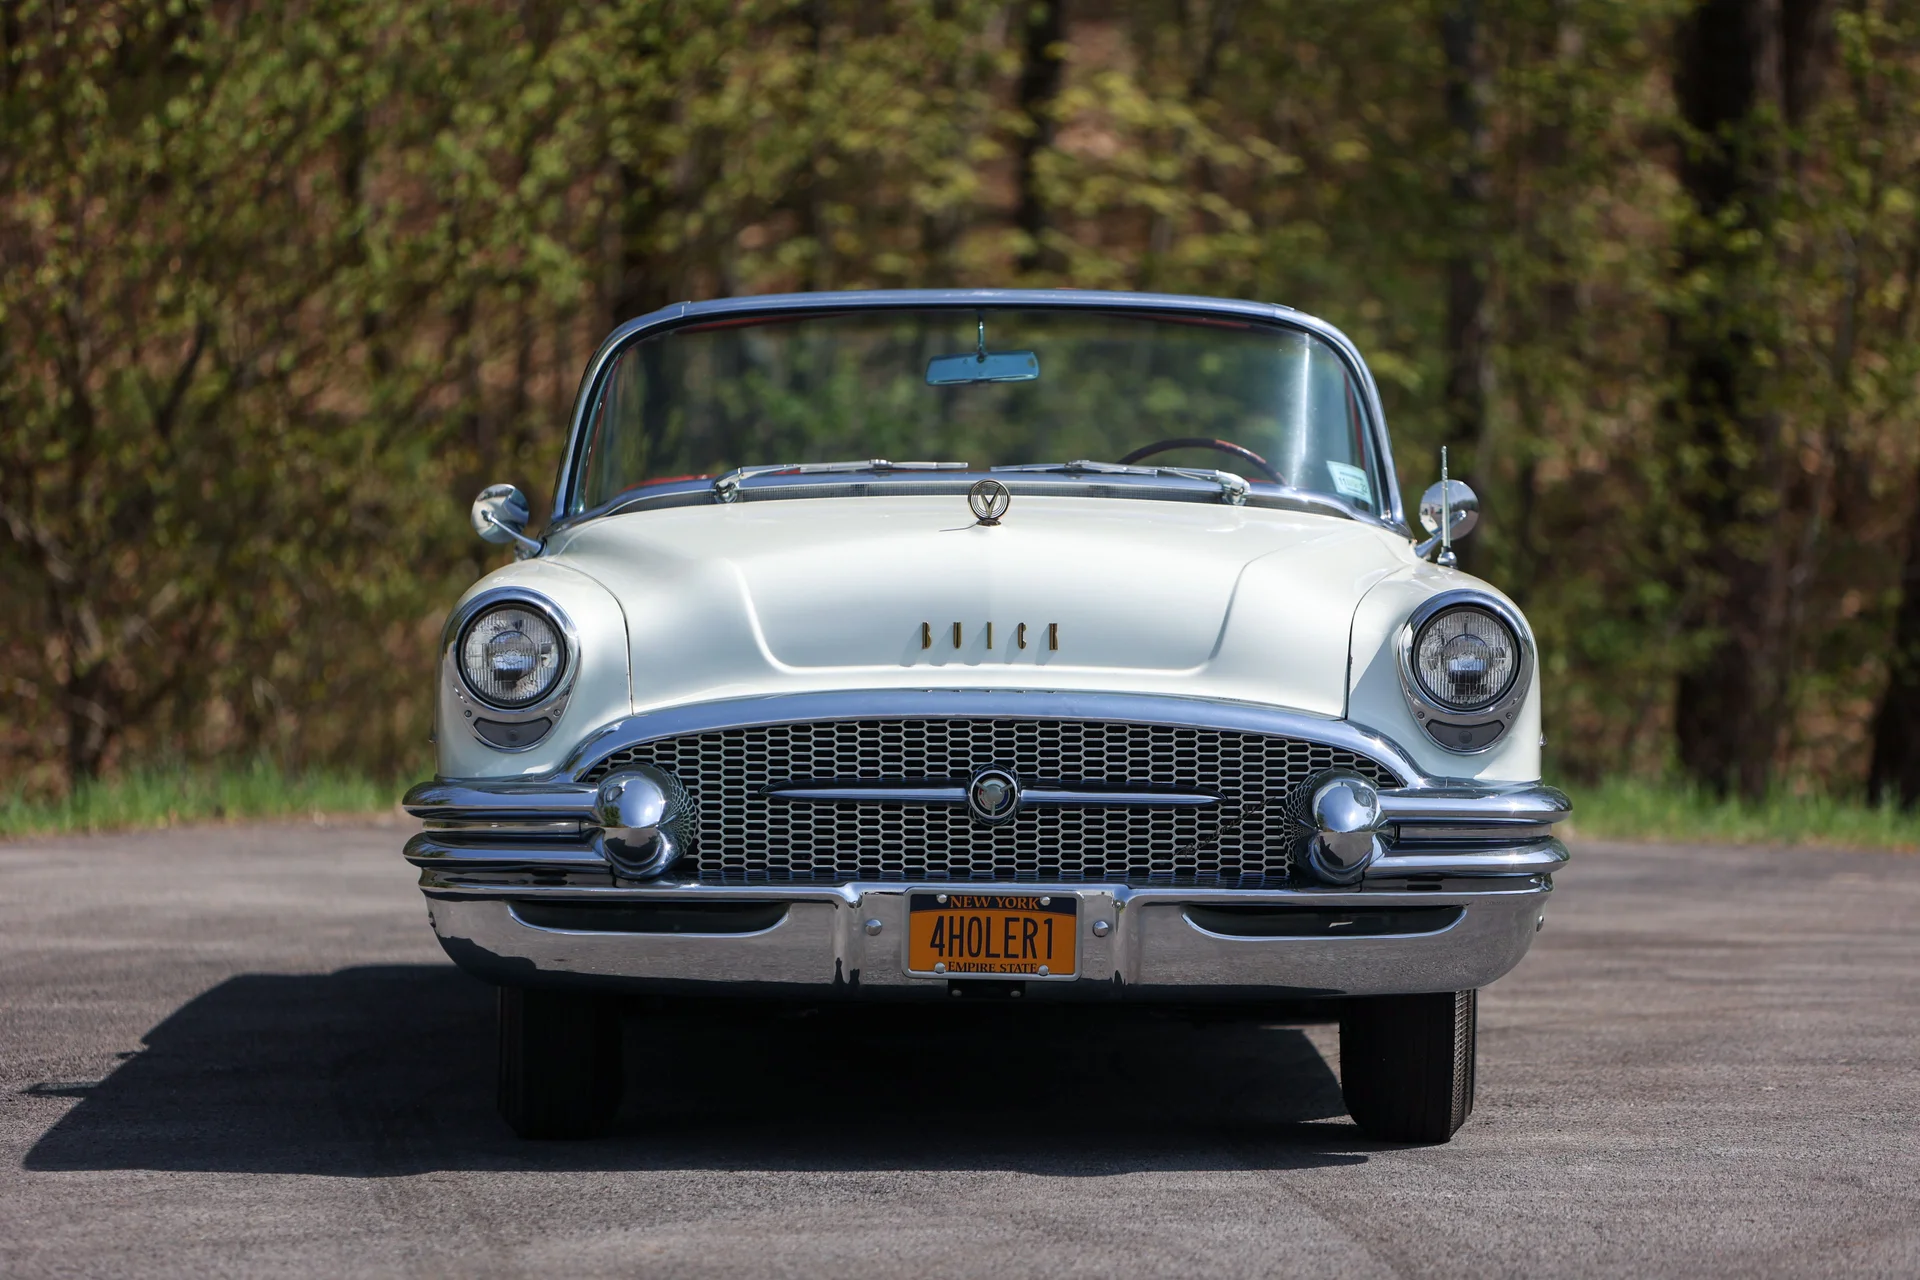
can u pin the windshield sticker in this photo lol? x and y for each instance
(1350, 482)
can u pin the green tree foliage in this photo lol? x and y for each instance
(281, 286)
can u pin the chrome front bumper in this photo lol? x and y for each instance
(849, 941)
(521, 892)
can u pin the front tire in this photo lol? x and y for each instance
(1407, 1064)
(560, 1071)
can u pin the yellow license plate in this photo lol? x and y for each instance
(992, 934)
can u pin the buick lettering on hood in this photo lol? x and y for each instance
(952, 645)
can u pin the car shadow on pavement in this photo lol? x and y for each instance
(387, 1071)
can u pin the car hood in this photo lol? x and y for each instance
(1065, 593)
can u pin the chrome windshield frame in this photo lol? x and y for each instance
(681, 314)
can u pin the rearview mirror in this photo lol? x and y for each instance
(983, 366)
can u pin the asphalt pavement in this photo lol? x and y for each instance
(238, 1051)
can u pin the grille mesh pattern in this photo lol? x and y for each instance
(745, 837)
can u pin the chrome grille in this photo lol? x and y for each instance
(745, 837)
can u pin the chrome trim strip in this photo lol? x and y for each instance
(1476, 802)
(430, 849)
(1543, 858)
(449, 799)
(969, 704)
(1118, 799)
(860, 792)
(442, 880)
(558, 795)
(681, 313)
(557, 828)
(1505, 833)
(909, 794)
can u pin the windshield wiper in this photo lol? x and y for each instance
(726, 488)
(1233, 488)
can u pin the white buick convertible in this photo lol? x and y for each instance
(1127, 680)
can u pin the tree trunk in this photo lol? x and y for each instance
(1895, 772)
(1040, 75)
(638, 287)
(85, 686)
(1468, 369)
(1732, 69)
(1200, 50)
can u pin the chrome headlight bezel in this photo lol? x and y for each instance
(1429, 710)
(506, 728)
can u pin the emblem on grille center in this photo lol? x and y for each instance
(993, 795)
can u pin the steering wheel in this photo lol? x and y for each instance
(1239, 451)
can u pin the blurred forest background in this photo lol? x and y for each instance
(283, 284)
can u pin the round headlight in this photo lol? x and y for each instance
(512, 655)
(1466, 658)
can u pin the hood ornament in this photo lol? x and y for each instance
(988, 500)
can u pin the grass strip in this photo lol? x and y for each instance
(165, 797)
(1629, 809)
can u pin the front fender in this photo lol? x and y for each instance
(602, 684)
(1375, 697)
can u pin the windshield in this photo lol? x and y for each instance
(990, 387)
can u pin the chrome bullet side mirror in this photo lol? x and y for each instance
(1456, 500)
(500, 514)
(1448, 510)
